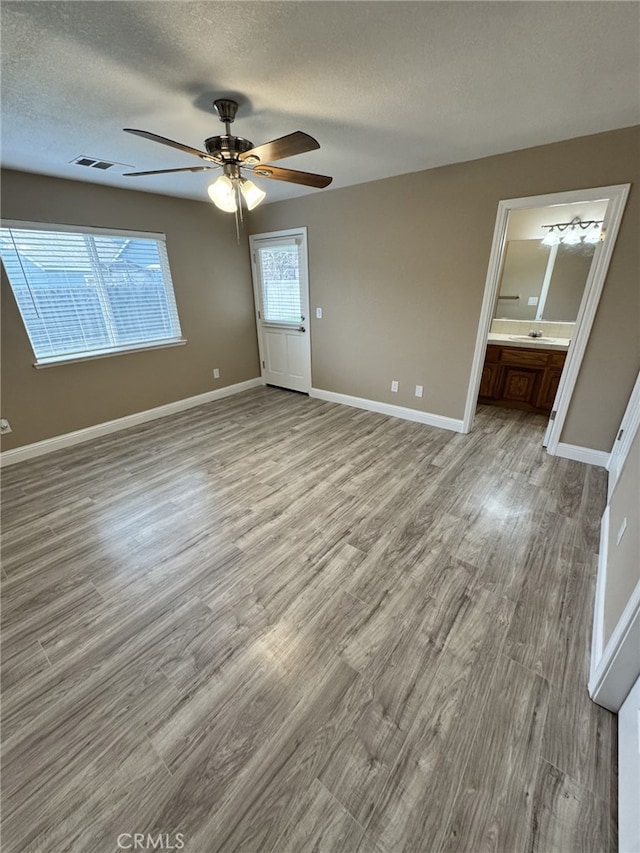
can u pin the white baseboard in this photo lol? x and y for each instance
(619, 666)
(39, 448)
(583, 454)
(403, 412)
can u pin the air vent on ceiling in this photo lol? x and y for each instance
(95, 163)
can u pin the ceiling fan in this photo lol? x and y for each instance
(233, 154)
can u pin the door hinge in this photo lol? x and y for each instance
(259, 316)
(619, 435)
(263, 364)
(552, 416)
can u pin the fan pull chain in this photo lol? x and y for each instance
(238, 211)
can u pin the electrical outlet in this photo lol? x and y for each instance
(5, 426)
(394, 386)
(216, 373)
(318, 313)
(419, 390)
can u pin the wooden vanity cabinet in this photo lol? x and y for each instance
(490, 372)
(521, 378)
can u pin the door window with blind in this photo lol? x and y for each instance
(280, 281)
(85, 293)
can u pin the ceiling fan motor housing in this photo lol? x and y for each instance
(227, 147)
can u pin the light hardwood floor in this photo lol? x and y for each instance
(278, 624)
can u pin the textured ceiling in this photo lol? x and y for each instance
(386, 87)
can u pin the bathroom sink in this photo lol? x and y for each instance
(532, 339)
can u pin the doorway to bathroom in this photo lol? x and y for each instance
(548, 263)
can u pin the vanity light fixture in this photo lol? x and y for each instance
(571, 233)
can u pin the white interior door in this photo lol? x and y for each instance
(629, 772)
(281, 290)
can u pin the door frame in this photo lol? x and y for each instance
(301, 232)
(617, 198)
(626, 434)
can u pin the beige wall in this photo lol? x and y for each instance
(398, 267)
(212, 281)
(623, 560)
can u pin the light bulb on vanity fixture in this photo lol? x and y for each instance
(594, 234)
(572, 237)
(551, 239)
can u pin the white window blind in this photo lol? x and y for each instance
(89, 293)
(280, 282)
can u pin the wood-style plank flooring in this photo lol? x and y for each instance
(278, 624)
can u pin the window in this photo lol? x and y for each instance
(86, 293)
(280, 281)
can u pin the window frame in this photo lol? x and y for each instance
(91, 355)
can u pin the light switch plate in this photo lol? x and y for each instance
(318, 313)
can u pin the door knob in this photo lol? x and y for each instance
(301, 329)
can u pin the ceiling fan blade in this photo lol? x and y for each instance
(145, 134)
(286, 146)
(166, 171)
(308, 179)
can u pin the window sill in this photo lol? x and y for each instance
(55, 361)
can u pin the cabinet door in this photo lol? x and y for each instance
(549, 388)
(520, 385)
(489, 379)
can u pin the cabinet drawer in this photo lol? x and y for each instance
(524, 357)
(557, 359)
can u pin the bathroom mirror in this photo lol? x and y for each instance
(541, 282)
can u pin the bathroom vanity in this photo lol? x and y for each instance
(521, 374)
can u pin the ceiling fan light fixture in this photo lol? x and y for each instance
(253, 195)
(222, 194)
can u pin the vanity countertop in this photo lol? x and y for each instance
(530, 343)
